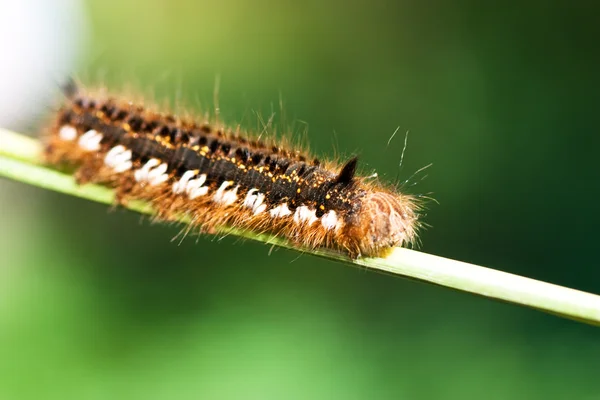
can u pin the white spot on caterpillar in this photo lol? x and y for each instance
(90, 140)
(226, 197)
(125, 165)
(230, 196)
(281, 210)
(152, 172)
(219, 193)
(329, 220)
(255, 201)
(251, 197)
(119, 159)
(112, 153)
(260, 209)
(158, 175)
(305, 214)
(142, 174)
(181, 185)
(67, 133)
(194, 187)
(201, 191)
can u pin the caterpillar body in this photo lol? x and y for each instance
(218, 177)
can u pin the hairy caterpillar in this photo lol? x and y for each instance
(217, 176)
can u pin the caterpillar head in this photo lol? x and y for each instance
(383, 221)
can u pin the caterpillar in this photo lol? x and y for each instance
(218, 176)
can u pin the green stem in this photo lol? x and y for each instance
(20, 160)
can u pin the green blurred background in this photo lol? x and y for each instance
(502, 100)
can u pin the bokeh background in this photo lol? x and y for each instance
(503, 100)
